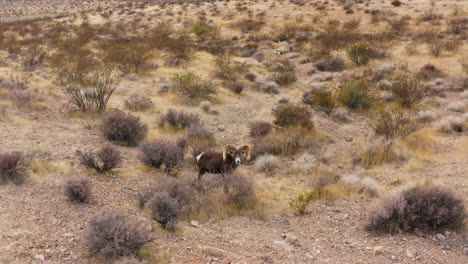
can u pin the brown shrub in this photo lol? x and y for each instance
(324, 99)
(330, 64)
(161, 152)
(138, 102)
(239, 191)
(391, 121)
(259, 129)
(228, 69)
(106, 159)
(407, 88)
(113, 234)
(292, 115)
(13, 168)
(179, 119)
(164, 209)
(78, 190)
(235, 87)
(423, 208)
(123, 128)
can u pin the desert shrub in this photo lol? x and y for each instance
(398, 24)
(284, 72)
(191, 86)
(161, 152)
(113, 234)
(138, 102)
(330, 64)
(199, 29)
(451, 124)
(407, 88)
(179, 119)
(266, 163)
(129, 260)
(87, 89)
(239, 191)
(18, 81)
(13, 168)
(259, 129)
(304, 163)
(456, 107)
(380, 152)
(334, 38)
(361, 53)
(164, 209)
(428, 72)
(106, 159)
(391, 121)
(248, 25)
(292, 115)
(301, 202)
(129, 56)
(324, 99)
(423, 208)
(78, 190)
(235, 87)
(123, 128)
(33, 58)
(355, 94)
(228, 69)
(198, 133)
(286, 143)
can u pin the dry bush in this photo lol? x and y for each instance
(129, 260)
(106, 159)
(112, 234)
(361, 53)
(292, 115)
(239, 191)
(198, 134)
(284, 72)
(248, 25)
(355, 94)
(380, 152)
(451, 124)
(407, 88)
(417, 208)
(335, 38)
(259, 129)
(286, 142)
(123, 128)
(178, 44)
(391, 121)
(324, 99)
(398, 24)
(330, 64)
(300, 203)
(228, 69)
(32, 58)
(13, 168)
(429, 72)
(18, 81)
(161, 152)
(191, 86)
(266, 163)
(164, 209)
(87, 89)
(138, 102)
(129, 56)
(179, 119)
(78, 190)
(235, 87)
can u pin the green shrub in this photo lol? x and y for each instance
(301, 202)
(191, 86)
(323, 99)
(354, 94)
(391, 121)
(199, 29)
(407, 88)
(228, 69)
(361, 53)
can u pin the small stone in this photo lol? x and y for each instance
(348, 138)
(378, 250)
(39, 257)
(446, 233)
(194, 223)
(465, 251)
(291, 239)
(440, 237)
(213, 252)
(221, 128)
(409, 254)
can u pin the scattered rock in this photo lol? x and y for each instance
(409, 254)
(378, 250)
(291, 239)
(349, 138)
(194, 223)
(39, 257)
(213, 252)
(221, 128)
(440, 237)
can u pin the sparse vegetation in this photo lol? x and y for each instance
(161, 152)
(260, 129)
(106, 159)
(391, 121)
(13, 168)
(78, 190)
(292, 115)
(300, 204)
(191, 86)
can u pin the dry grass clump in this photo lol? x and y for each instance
(364, 185)
(266, 163)
(239, 192)
(391, 121)
(13, 168)
(129, 56)
(123, 128)
(361, 53)
(106, 159)
(417, 208)
(284, 142)
(78, 190)
(228, 69)
(382, 151)
(179, 119)
(191, 86)
(284, 72)
(456, 107)
(300, 204)
(355, 94)
(260, 129)
(137, 102)
(452, 124)
(235, 87)
(325, 99)
(112, 234)
(161, 152)
(330, 64)
(292, 115)
(407, 88)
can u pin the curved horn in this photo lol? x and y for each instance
(246, 148)
(225, 150)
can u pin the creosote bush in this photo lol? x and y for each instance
(191, 86)
(260, 129)
(13, 168)
(78, 190)
(355, 94)
(361, 53)
(106, 159)
(300, 203)
(420, 207)
(228, 69)
(112, 234)
(292, 115)
(123, 128)
(138, 102)
(324, 99)
(161, 152)
(330, 64)
(391, 121)
(407, 88)
(284, 72)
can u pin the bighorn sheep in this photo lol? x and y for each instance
(222, 163)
